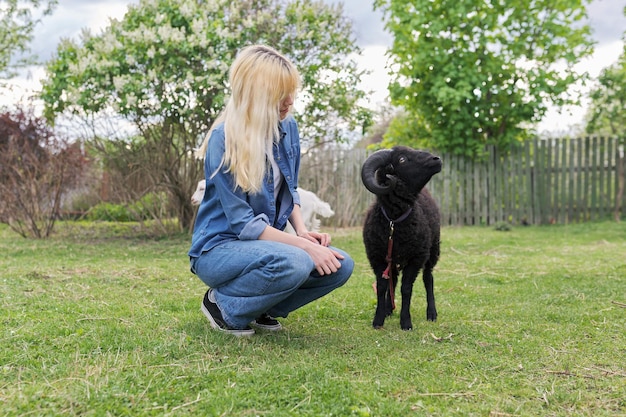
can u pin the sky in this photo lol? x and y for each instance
(71, 16)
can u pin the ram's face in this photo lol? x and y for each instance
(403, 167)
(415, 168)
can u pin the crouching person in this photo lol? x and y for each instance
(255, 271)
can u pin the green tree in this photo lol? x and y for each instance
(163, 68)
(607, 111)
(476, 72)
(16, 32)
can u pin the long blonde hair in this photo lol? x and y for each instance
(260, 79)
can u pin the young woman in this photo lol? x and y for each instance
(254, 269)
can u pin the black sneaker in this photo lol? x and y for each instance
(267, 322)
(213, 313)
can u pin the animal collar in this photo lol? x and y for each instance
(399, 219)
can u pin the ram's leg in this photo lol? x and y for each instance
(429, 284)
(409, 274)
(382, 290)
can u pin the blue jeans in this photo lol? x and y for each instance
(252, 277)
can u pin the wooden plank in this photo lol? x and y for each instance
(524, 207)
(476, 193)
(585, 194)
(536, 178)
(444, 202)
(503, 162)
(563, 173)
(493, 189)
(472, 192)
(547, 186)
(594, 210)
(577, 179)
(509, 208)
(601, 151)
(527, 187)
(453, 190)
(543, 181)
(571, 181)
(514, 174)
(556, 176)
(611, 178)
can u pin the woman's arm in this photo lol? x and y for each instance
(325, 259)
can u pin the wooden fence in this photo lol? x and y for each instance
(539, 182)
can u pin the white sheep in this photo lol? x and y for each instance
(311, 206)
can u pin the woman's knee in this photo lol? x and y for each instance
(292, 263)
(347, 267)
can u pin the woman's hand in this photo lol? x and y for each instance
(315, 237)
(326, 260)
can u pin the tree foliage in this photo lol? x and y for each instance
(476, 72)
(36, 170)
(163, 67)
(16, 32)
(607, 112)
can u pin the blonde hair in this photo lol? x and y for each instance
(260, 79)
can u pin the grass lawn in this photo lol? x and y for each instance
(532, 322)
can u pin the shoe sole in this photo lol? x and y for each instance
(270, 327)
(234, 332)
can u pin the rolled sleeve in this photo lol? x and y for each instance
(296, 197)
(253, 229)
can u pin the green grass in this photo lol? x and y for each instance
(532, 322)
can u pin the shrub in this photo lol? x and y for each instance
(150, 206)
(37, 168)
(109, 212)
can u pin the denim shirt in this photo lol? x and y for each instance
(227, 213)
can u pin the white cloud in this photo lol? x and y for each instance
(571, 117)
(374, 60)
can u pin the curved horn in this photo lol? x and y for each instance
(375, 161)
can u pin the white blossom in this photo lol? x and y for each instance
(131, 100)
(198, 26)
(131, 60)
(186, 9)
(147, 34)
(119, 82)
(159, 19)
(212, 6)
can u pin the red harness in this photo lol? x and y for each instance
(388, 272)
